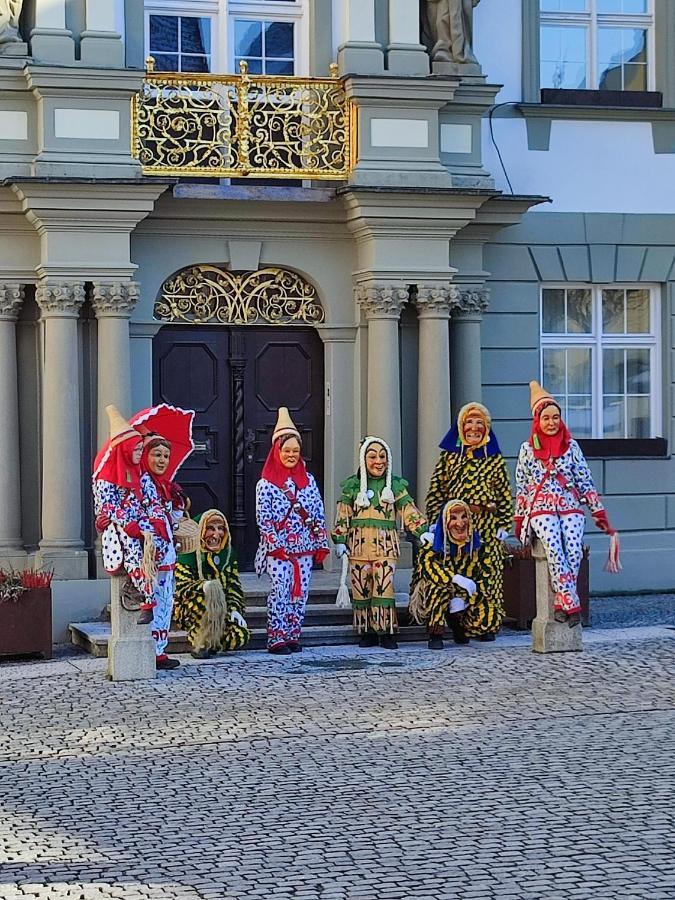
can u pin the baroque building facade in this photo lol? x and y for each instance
(433, 222)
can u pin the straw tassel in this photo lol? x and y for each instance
(149, 565)
(214, 621)
(417, 605)
(613, 564)
(343, 600)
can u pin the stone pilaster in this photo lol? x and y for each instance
(113, 303)
(405, 54)
(354, 27)
(434, 303)
(382, 303)
(465, 346)
(50, 40)
(100, 43)
(11, 547)
(61, 546)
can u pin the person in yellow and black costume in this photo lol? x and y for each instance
(209, 602)
(452, 577)
(471, 467)
(372, 500)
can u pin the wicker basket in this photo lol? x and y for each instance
(187, 535)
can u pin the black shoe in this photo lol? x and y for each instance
(458, 635)
(388, 641)
(368, 639)
(574, 619)
(490, 636)
(200, 654)
(435, 642)
(145, 617)
(560, 616)
(294, 646)
(166, 662)
(280, 650)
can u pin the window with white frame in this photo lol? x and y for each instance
(265, 34)
(600, 356)
(602, 45)
(180, 43)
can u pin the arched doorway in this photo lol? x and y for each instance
(234, 353)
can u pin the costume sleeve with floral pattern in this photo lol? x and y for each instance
(583, 479)
(121, 506)
(264, 514)
(318, 515)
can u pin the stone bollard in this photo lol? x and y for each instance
(549, 636)
(131, 650)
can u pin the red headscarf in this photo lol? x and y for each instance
(277, 473)
(115, 463)
(163, 482)
(548, 446)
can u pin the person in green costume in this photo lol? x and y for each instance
(209, 601)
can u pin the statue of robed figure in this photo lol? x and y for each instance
(447, 30)
(10, 10)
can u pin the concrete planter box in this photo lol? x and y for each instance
(520, 602)
(26, 626)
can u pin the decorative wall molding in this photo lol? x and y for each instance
(382, 299)
(436, 299)
(472, 304)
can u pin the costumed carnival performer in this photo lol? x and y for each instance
(292, 524)
(210, 603)
(471, 467)
(366, 530)
(553, 480)
(122, 517)
(452, 572)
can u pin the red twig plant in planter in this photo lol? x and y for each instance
(25, 613)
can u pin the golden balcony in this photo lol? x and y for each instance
(226, 126)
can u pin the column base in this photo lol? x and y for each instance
(52, 45)
(407, 59)
(101, 50)
(361, 58)
(67, 563)
(15, 49)
(464, 70)
(13, 558)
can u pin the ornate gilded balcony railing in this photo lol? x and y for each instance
(233, 125)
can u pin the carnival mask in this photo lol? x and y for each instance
(136, 453)
(458, 525)
(376, 460)
(158, 459)
(473, 429)
(289, 452)
(550, 420)
(214, 534)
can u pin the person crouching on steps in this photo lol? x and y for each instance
(366, 530)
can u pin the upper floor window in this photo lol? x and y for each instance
(602, 45)
(600, 355)
(180, 43)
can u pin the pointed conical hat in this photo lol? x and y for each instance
(120, 429)
(537, 394)
(284, 425)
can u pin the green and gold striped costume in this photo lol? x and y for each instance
(481, 481)
(437, 572)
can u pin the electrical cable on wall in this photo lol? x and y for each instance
(491, 112)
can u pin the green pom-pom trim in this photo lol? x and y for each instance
(459, 442)
(535, 441)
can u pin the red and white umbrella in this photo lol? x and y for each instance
(172, 423)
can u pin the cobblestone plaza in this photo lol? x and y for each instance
(478, 772)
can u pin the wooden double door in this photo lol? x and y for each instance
(235, 378)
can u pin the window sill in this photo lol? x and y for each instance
(629, 448)
(612, 99)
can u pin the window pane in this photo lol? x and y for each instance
(195, 35)
(553, 374)
(579, 312)
(622, 6)
(579, 416)
(635, 77)
(247, 38)
(613, 417)
(164, 33)
(639, 423)
(279, 66)
(564, 5)
(194, 64)
(637, 312)
(618, 47)
(613, 371)
(553, 311)
(166, 63)
(279, 40)
(563, 56)
(637, 371)
(579, 371)
(612, 312)
(255, 66)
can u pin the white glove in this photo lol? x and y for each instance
(238, 619)
(427, 539)
(464, 582)
(432, 528)
(340, 550)
(502, 534)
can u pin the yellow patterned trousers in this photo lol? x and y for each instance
(373, 595)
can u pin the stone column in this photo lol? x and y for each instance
(465, 347)
(11, 547)
(100, 43)
(113, 303)
(50, 40)
(382, 303)
(434, 303)
(405, 54)
(549, 636)
(358, 52)
(61, 546)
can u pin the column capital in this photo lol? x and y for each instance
(11, 300)
(436, 300)
(61, 299)
(382, 299)
(114, 298)
(472, 304)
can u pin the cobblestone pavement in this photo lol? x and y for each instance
(480, 772)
